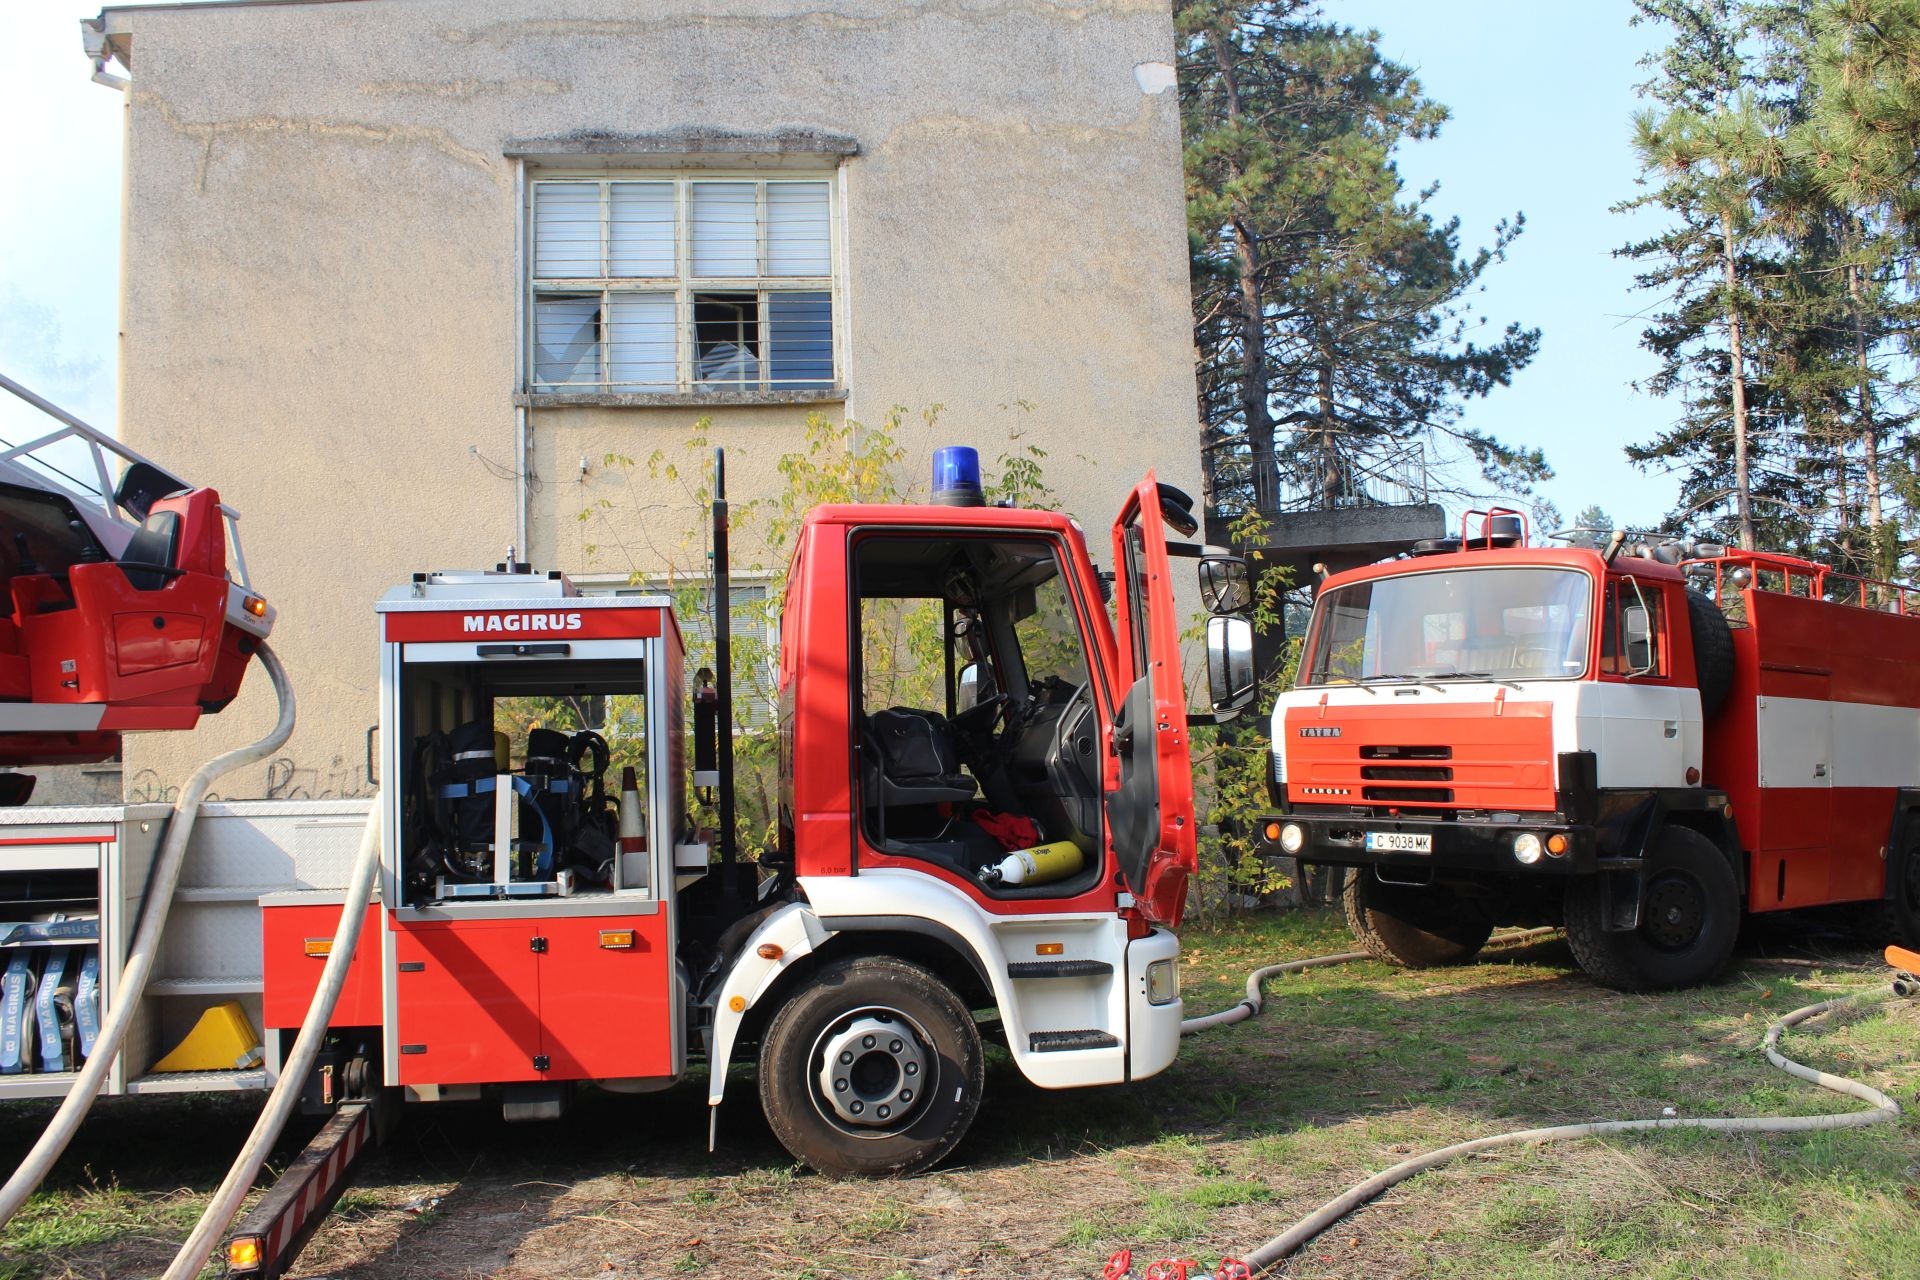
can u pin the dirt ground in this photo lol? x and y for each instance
(1351, 1070)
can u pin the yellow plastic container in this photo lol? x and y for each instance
(223, 1040)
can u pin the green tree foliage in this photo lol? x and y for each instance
(1330, 306)
(1787, 301)
(1862, 137)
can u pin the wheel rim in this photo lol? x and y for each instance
(875, 1070)
(1675, 911)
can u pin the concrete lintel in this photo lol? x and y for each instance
(692, 140)
(673, 399)
(1343, 526)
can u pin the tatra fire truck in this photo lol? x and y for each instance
(1008, 861)
(1642, 742)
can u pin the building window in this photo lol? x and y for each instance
(683, 284)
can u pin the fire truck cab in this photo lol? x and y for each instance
(951, 692)
(1639, 747)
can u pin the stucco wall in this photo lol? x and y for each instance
(320, 279)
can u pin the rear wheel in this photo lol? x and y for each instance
(1897, 920)
(1688, 922)
(874, 1070)
(1416, 927)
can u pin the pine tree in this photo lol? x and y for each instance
(1701, 145)
(1330, 311)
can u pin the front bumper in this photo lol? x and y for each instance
(1153, 1031)
(1485, 848)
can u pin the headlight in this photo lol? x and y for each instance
(1163, 982)
(1527, 848)
(1292, 837)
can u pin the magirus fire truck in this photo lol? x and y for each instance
(1642, 742)
(1009, 861)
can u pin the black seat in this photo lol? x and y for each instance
(907, 758)
(156, 542)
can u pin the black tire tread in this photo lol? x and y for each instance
(1395, 941)
(1609, 958)
(899, 979)
(1712, 652)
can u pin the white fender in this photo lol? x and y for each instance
(890, 894)
(796, 931)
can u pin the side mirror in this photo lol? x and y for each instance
(968, 692)
(1638, 627)
(1230, 678)
(1225, 584)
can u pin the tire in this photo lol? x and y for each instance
(1413, 927)
(1712, 652)
(1688, 924)
(908, 1046)
(1897, 919)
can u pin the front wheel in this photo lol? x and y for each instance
(1415, 927)
(1688, 921)
(874, 1070)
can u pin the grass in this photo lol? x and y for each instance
(1350, 1070)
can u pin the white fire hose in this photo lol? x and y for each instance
(280, 1103)
(146, 942)
(1264, 1258)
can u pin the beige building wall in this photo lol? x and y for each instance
(323, 284)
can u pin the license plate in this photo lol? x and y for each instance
(1399, 842)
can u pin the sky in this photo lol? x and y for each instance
(1541, 93)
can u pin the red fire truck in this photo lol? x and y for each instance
(1642, 747)
(1019, 850)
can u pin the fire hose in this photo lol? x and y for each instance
(146, 942)
(1265, 1257)
(280, 1103)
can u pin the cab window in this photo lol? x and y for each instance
(1621, 595)
(978, 728)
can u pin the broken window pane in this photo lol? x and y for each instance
(566, 230)
(800, 340)
(566, 340)
(726, 339)
(797, 243)
(725, 231)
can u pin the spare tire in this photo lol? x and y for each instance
(1712, 652)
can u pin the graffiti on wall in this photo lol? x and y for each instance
(283, 778)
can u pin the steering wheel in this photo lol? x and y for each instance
(981, 719)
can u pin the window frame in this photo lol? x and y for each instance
(684, 286)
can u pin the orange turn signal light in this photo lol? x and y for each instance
(1273, 832)
(770, 951)
(1556, 844)
(616, 939)
(738, 1004)
(244, 1251)
(1049, 948)
(319, 946)
(255, 606)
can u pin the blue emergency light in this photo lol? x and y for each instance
(956, 477)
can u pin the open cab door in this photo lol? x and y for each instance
(1150, 814)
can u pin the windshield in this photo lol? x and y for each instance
(1497, 624)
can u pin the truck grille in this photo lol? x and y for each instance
(1406, 773)
(1457, 754)
(1408, 795)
